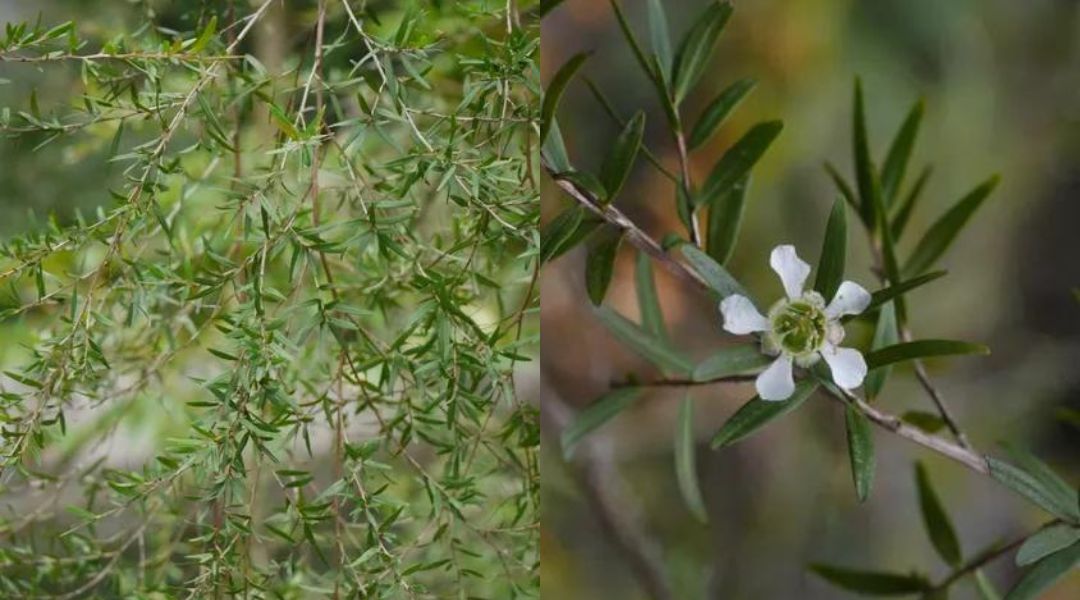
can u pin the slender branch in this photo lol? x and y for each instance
(659, 383)
(988, 556)
(688, 185)
(935, 395)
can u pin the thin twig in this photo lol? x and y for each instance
(988, 556)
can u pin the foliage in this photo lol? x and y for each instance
(295, 317)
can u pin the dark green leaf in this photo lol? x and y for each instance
(860, 452)
(882, 296)
(902, 213)
(610, 110)
(1045, 573)
(844, 188)
(938, 525)
(660, 38)
(620, 160)
(716, 276)
(896, 161)
(640, 341)
(921, 349)
(1038, 485)
(866, 178)
(718, 110)
(942, 233)
(685, 461)
(928, 422)
(697, 47)
(757, 413)
(734, 360)
(555, 235)
(738, 160)
(725, 218)
(600, 262)
(830, 270)
(885, 335)
(555, 90)
(872, 583)
(652, 317)
(596, 414)
(554, 149)
(1045, 542)
(650, 67)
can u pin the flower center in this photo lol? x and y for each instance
(799, 326)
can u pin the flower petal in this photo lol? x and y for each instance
(850, 299)
(776, 382)
(741, 316)
(847, 366)
(791, 269)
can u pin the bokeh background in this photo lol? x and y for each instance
(1001, 82)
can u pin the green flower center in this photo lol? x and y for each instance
(799, 327)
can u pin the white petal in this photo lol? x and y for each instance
(741, 317)
(847, 366)
(776, 382)
(850, 299)
(791, 269)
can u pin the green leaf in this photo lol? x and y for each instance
(942, 233)
(1045, 573)
(902, 213)
(685, 461)
(714, 275)
(896, 161)
(734, 360)
(926, 421)
(937, 522)
(860, 452)
(204, 38)
(652, 317)
(650, 67)
(555, 90)
(845, 189)
(718, 110)
(830, 269)
(921, 349)
(882, 296)
(866, 178)
(1045, 542)
(872, 583)
(553, 149)
(885, 335)
(757, 413)
(640, 341)
(1038, 484)
(660, 38)
(985, 587)
(725, 218)
(696, 48)
(596, 414)
(600, 262)
(619, 162)
(560, 229)
(738, 160)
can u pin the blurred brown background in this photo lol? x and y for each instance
(1001, 81)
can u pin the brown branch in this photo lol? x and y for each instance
(989, 556)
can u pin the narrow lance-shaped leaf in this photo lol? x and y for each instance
(660, 38)
(938, 525)
(1046, 542)
(845, 189)
(696, 48)
(985, 587)
(738, 160)
(652, 317)
(757, 413)
(872, 583)
(553, 93)
(902, 213)
(718, 110)
(921, 349)
(553, 149)
(725, 219)
(865, 172)
(1045, 573)
(830, 270)
(734, 360)
(896, 161)
(600, 262)
(714, 275)
(885, 335)
(686, 461)
(597, 413)
(860, 441)
(882, 296)
(647, 65)
(1037, 487)
(620, 161)
(942, 233)
(648, 346)
(558, 231)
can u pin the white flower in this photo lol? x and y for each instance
(799, 329)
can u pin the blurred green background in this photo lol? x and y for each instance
(1001, 82)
